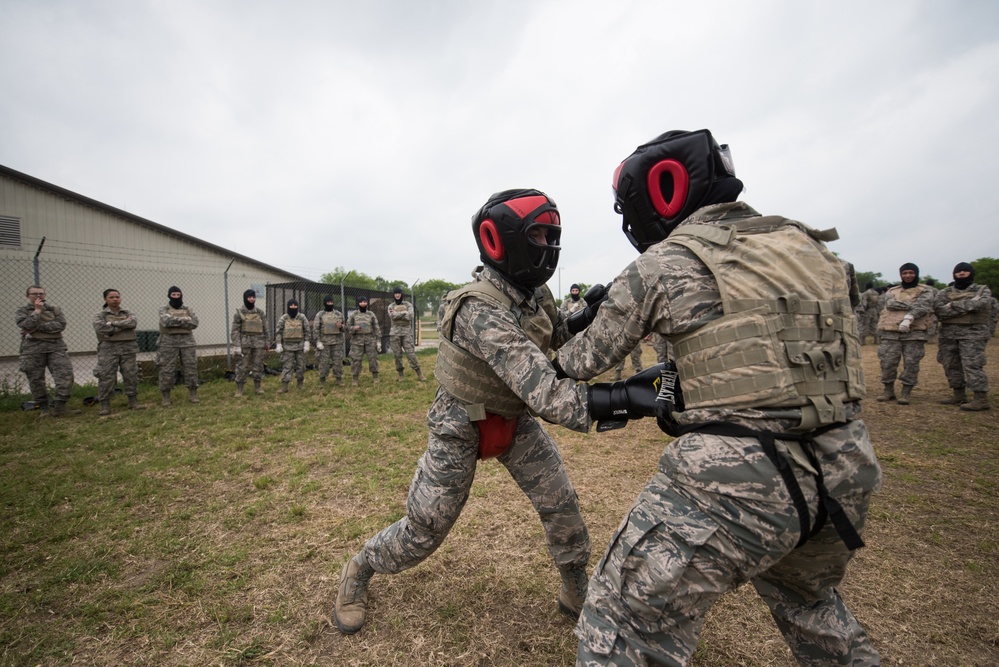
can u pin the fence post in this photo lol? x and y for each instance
(34, 262)
(228, 334)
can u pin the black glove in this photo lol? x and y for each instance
(613, 403)
(581, 319)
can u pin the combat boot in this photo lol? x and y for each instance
(133, 403)
(402, 376)
(257, 389)
(339, 382)
(239, 390)
(903, 398)
(573, 593)
(958, 398)
(299, 384)
(192, 395)
(322, 383)
(105, 408)
(978, 403)
(374, 378)
(351, 607)
(166, 399)
(44, 407)
(353, 383)
(59, 409)
(419, 375)
(889, 394)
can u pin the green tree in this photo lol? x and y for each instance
(361, 280)
(987, 273)
(429, 294)
(864, 277)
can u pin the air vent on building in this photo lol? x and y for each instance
(10, 231)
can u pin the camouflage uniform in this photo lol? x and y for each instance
(636, 362)
(42, 347)
(717, 513)
(662, 347)
(177, 341)
(249, 332)
(401, 335)
(327, 328)
(965, 329)
(570, 305)
(915, 304)
(292, 334)
(364, 336)
(116, 350)
(867, 314)
(445, 472)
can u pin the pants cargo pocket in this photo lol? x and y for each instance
(596, 639)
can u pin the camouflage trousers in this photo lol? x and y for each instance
(403, 344)
(867, 325)
(662, 348)
(636, 361)
(331, 357)
(292, 363)
(251, 361)
(36, 356)
(908, 352)
(166, 359)
(444, 476)
(964, 363)
(113, 357)
(361, 344)
(718, 514)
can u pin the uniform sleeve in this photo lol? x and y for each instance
(130, 322)
(279, 330)
(236, 329)
(923, 305)
(944, 308)
(193, 323)
(102, 327)
(495, 336)
(378, 329)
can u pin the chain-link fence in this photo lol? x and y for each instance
(75, 279)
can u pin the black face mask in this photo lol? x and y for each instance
(328, 306)
(177, 303)
(398, 298)
(363, 308)
(293, 312)
(575, 297)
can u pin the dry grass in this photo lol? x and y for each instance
(225, 545)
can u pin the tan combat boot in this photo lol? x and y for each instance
(903, 398)
(59, 409)
(257, 389)
(353, 383)
(978, 403)
(351, 607)
(374, 378)
(166, 399)
(192, 395)
(958, 398)
(299, 384)
(402, 376)
(573, 593)
(133, 403)
(239, 390)
(105, 408)
(284, 388)
(419, 375)
(889, 394)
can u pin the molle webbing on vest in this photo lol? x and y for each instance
(251, 323)
(327, 324)
(46, 316)
(977, 317)
(890, 319)
(294, 329)
(124, 334)
(771, 349)
(176, 312)
(473, 382)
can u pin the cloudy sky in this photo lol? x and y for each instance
(311, 135)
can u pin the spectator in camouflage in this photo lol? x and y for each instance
(176, 342)
(719, 511)
(867, 313)
(42, 347)
(572, 303)
(116, 351)
(662, 347)
(402, 315)
(966, 325)
(902, 328)
(327, 331)
(292, 334)
(249, 338)
(364, 336)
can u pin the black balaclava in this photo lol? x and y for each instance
(909, 266)
(292, 307)
(246, 295)
(575, 297)
(364, 300)
(397, 294)
(964, 283)
(328, 303)
(175, 303)
(868, 286)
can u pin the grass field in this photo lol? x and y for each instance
(213, 534)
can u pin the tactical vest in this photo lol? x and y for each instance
(293, 329)
(366, 322)
(397, 309)
(977, 317)
(183, 311)
(122, 334)
(328, 323)
(251, 323)
(470, 379)
(47, 316)
(788, 336)
(890, 319)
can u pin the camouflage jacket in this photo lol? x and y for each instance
(401, 315)
(333, 320)
(569, 306)
(367, 319)
(964, 314)
(669, 291)
(495, 336)
(292, 344)
(50, 323)
(106, 327)
(915, 303)
(247, 339)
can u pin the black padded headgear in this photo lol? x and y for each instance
(659, 185)
(501, 230)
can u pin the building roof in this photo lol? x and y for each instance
(142, 222)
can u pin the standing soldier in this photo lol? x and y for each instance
(327, 329)
(662, 347)
(494, 372)
(965, 313)
(867, 313)
(249, 339)
(177, 321)
(42, 347)
(933, 325)
(902, 328)
(364, 336)
(573, 302)
(770, 474)
(292, 335)
(116, 350)
(401, 334)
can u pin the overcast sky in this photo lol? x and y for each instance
(311, 135)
